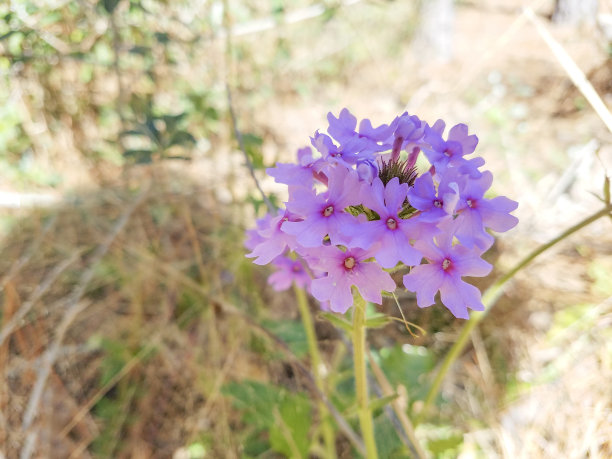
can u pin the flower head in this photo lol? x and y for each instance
(361, 207)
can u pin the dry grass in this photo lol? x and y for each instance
(139, 370)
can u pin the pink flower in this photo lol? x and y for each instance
(446, 265)
(324, 214)
(345, 269)
(391, 233)
(269, 241)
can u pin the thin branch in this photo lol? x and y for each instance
(21, 262)
(573, 71)
(248, 161)
(40, 290)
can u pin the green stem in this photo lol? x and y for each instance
(489, 299)
(361, 381)
(329, 437)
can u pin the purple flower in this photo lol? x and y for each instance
(289, 271)
(367, 170)
(324, 214)
(475, 212)
(444, 153)
(295, 174)
(391, 233)
(345, 269)
(365, 142)
(434, 205)
(408, 134)
(253, 237)
(446, 265)
(272, 241)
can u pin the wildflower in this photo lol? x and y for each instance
(323, 214)
(298, 175)
(444, 153)
(433, 204)
(446, 266)
(390, 232)
(345, 269)
(270, 241)
(289, 271)
(475, 213)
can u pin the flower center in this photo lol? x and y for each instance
(438, 203)
(470, 203)
(328, 211)
(447, 152)
(446, 264)
(296, 268)
(349, 263)
(391, 223)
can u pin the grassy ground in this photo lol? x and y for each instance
(131, 323)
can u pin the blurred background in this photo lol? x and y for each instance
(131, 324)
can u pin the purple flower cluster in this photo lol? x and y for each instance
(357, 207)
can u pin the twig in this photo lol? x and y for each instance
(489, 299)
(75, 306)
(248, 161)
(16, 267)
(572, 70)
(291, 17)
(230, 104)
(40, 290)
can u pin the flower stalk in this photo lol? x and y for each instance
(361, 381)
(491, 296)
(329, 439)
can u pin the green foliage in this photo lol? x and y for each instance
(252, 147)
(291, 332)
(408, 365)
(113, 409)
(442, 441)
(388, 443)
(267, 408)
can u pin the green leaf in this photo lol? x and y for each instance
(377, 321)
(441, 445)
(252, 147)
(172, 121)
(382, 402)
(291, 332)
(287, 417)
(138, 132)
(140, 50)
(8, 34)
(161, 37)
(388, 442)
(289, 434)
(182, 138)
(408, 365)
(444, 441)
(139, 156)
(256, 400)
(337, 321)
(110, 5)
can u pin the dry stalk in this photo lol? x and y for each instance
(75, 305)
